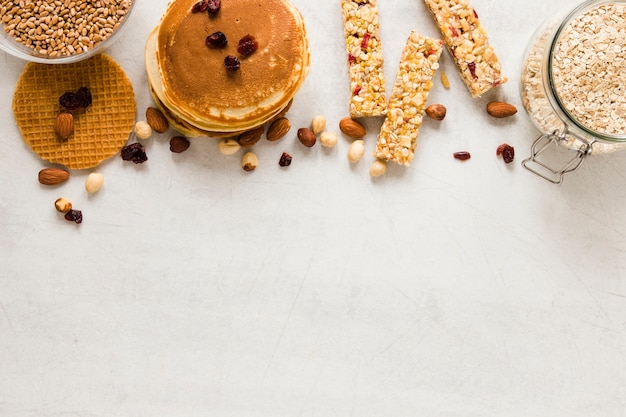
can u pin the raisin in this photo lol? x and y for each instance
(83, 96)
(75, 216)
(214, 6)
(507, 152)
(285, 160)
(216, 40)
(247, 45)
(472, 68)
(135, 152)
(232, 63)
(462, 155)
(68, 100)
(200, 6)
(74, 100)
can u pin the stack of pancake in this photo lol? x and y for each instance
(190, 83)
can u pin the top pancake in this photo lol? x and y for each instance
(195, 81)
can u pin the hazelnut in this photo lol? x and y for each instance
(63, 205)
(328, 139)
(249, 161)
(143, 130)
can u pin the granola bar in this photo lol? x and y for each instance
(398, 135)
(365, 58)
(468, 42)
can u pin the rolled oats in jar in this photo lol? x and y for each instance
(573, 86)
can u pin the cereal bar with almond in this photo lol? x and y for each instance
(365, 58)
(397, 139)
(468, 43)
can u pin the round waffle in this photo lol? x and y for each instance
(100, 130)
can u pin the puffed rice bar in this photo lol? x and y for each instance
(398, 135)
(468, 43)
(365, 58)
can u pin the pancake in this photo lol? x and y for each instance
(191, 81)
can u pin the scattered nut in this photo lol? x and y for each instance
(356, 150)
(285, 160)
(251, 137)
(156, 120)
(318, 124)
(64, 125)
(228, 146)
(378, 168)
(179, 144)
(352, 128)
(500, 109)
(94, 182)
(53, 176)
(63, 205)
(436, 111)
(306, 137)
(143, 130)
(278, 129)
(328, 139)
(249, 161)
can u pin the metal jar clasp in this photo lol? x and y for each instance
(544, 167)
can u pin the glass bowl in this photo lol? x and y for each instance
(47, 25)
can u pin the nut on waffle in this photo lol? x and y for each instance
(100, 130)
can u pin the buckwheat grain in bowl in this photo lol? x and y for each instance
(61, 31)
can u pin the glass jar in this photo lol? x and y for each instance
(573, 87)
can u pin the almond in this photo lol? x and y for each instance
(278, 129)
(251, 137)
(501, 109)
(436, 111)
(156, 120)
(53, 176)
(352, 128)
(64, 125)
(306, 137)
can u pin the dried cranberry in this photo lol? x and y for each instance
(475, 14)
(135, 152)
(454, 31)
(351, 59)
(462, 155)
(216, 40)
(472, 68)
(285, 160)
(214, 6)
(357, 90)
(361, 4)
(200, 6)
(232, 63)
(366, 40)
(507, 152)
(247, 45)
(75, 216)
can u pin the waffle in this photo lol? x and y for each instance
(100, 130)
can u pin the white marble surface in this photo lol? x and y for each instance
(195, 289)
